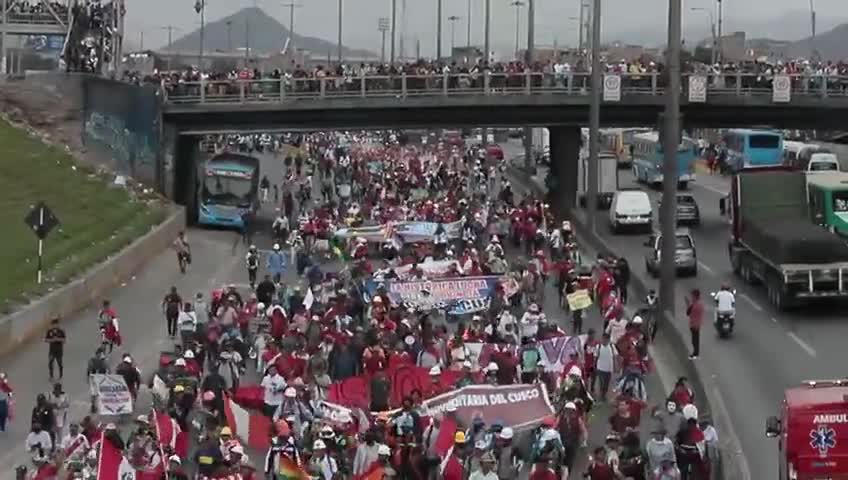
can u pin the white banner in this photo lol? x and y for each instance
(781, 89)
(555, 352)
(612, 88)
(113, 395)
(697, 89)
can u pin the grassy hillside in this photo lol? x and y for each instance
(96, 219)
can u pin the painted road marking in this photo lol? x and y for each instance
(751, 301)
(804, 346)
(706, 267)
(713, 189)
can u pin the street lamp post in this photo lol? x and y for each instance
(594, 118)
(291, 6)
(712, 31)
(468, 26)
(200, 8)
(383, 27)
(229, 35)
(813, 51)
(339, 46)
(720, 57)
(517, 4)
(487, 12)
(671, 142)
(453, 19)
(394, 29)
(438, 29)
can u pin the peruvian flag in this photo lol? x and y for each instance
(252, 428)
(113, 465)
(170, 435)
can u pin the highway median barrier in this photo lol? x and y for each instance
(32, 320)
(731, 464)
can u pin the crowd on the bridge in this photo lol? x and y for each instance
(35, 11)
(503, 76)
(92, 35)
(407, 285)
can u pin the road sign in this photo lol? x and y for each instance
(781, 89)
(41, 220)
(697, 89)
(612, 88)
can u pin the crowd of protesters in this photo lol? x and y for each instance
(92, 35)
(283, 347)
(36, 11)
(430, 75)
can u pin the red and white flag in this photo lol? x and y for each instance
(253, 428)
(113, 465)
(170, 435)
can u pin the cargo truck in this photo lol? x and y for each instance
(607, 178)
(773, 242)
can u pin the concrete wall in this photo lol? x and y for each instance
(123, 128)
(32, 321)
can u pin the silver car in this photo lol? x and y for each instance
(685, 255)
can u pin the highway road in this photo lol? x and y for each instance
(769, 351)
(138, 304)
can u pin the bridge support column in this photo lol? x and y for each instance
(565, 155)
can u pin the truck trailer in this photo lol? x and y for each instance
(773, 242)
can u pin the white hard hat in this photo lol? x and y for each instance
(571, 406)
(493, 367)
(180, 362)
(188, 354)
(260, 306)
(384, 450)
(637, 320)
(276, 246)
(690, 412)
(319, 445)
(506, 433)
(436, 370)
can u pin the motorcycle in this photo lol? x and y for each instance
(724, 321)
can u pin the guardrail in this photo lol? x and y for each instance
(33, 19)
(495, 84)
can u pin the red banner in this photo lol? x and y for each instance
(403, 380)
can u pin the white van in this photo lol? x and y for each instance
(822, 162)
(631, 209)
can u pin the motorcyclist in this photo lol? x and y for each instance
(252, 262)
(725, 301)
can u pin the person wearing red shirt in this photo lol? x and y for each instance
(543, 471)
(623, 421)
(682, 395)
(373, 360)
(599, 469)
(695, 312)
(454, 469)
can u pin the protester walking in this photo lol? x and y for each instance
(55, 338)
(607, 357)
(695, 312)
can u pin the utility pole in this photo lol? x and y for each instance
(394, 29)
(670, 145)
(594, 118)
(517, 4)
(468, 26)
(229, 35)
(438, 29)
(3, 68)
(529, 161)
(246, 41)
(170, 29)
(200, 8)
(813, 50)
(720, 39)
(486, 46)
(383, 27)
(141, 40)
(581, 27)
(341, 11)
(453, 19)
(291, 6)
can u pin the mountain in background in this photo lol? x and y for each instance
(265, 33)
(830, 44)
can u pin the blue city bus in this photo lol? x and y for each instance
(229, 188)
(648, 164)
(748, 148)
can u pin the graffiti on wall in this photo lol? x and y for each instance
(122, 125)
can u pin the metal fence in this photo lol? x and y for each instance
(491, 84)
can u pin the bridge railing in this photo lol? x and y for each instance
(488, 84)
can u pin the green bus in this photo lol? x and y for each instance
(828, 200)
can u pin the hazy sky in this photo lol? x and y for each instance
(627, 20)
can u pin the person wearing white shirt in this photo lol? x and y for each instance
(487, 468)
(605, 364)
(273, 386)
(39, 438)
(616, 328)
(725, 301)
(187, 323)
